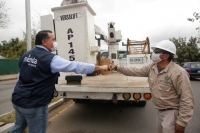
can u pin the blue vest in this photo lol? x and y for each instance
(36, 82)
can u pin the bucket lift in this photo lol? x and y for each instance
(114, 37)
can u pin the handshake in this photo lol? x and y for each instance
(108, 67)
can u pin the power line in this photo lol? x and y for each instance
(182, 28)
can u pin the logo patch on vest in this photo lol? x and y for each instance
(30, 60)
(166, 80)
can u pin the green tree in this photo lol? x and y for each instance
(186, 51)
(4, 18)
(196, 17)
(13, 49)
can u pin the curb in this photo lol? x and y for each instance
(6, 128)
(7, 79)
(55, 104)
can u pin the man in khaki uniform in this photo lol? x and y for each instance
(170, 87)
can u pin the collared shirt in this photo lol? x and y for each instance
(170, 88)
(59, 64)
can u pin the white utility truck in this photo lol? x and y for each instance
(75, 31)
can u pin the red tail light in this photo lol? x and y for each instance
(189, 71)
(147, 96)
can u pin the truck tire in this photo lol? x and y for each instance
(142, 103)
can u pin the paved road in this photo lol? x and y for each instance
(6, 89)
(99, 117)
(194, 126)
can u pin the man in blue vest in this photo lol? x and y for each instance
(38, 73)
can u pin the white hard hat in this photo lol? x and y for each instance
(167, 46)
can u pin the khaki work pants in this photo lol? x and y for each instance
(166, 120)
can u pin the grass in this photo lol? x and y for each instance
(55, 99)
(10, 117)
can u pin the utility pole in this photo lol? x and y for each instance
(28, 24)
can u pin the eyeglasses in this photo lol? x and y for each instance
(157, 51)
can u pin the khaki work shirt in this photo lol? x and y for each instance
(170, 88)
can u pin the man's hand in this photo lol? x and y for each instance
(179, 129)
(104, 68)
(112, 67)
(101, 68)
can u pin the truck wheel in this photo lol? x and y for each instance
(142, 103)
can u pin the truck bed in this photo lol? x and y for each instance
(114, 82)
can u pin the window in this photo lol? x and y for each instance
(195, 65)
(104, 54)
(122, 54)
(184, 65)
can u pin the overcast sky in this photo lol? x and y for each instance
(137, 19)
